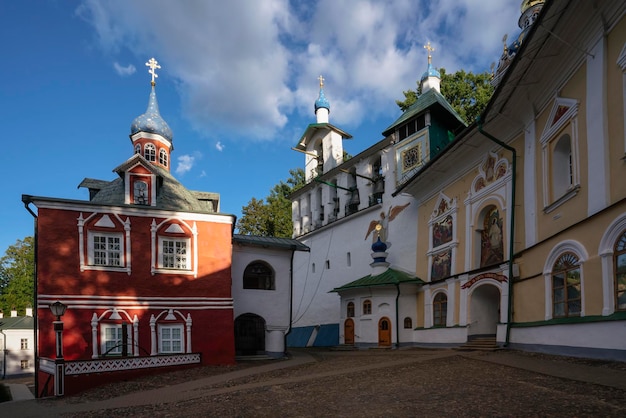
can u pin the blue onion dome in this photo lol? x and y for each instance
(379, 246)
(151, 121)
(322, 101)
(430, 72)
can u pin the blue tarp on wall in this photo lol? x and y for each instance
(327, 336)
(299, 337)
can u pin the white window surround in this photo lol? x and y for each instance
(163, 157)
(98, 328)
(497, 192)
(174, 225)
(553, 131)
(149, 152)
(85, 240)
(171, 338)
(605, 251)
(174, 253)
(577, 249)
(168, 319)
(432, 303)
(438, 215)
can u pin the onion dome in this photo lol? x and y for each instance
(430, 72)
(379, 246)
(322, 101)
(151, 121)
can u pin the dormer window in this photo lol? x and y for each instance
(140, 193)
(149, 152)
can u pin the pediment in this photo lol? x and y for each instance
(563, 109)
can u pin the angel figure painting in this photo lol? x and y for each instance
(384, 220)
(492, 248)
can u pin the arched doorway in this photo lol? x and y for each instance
(484, 310)
(384, 332)
(348, 332)
(249, 335)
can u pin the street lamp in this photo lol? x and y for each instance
(58, 310)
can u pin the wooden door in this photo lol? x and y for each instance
(384, 332)
(348, 332)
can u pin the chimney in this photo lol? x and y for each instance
(1, 314)
(29, 311)
(13, 313)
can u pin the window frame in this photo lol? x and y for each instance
(440, 309)
(366, 307)
(350, 310)
(259, 280)
(91, 253)
(161, 338)
(163, 158)
(618, 252)
(568, 267)
(23, 343)
(163, 254)
(149, 152)
(117, 339)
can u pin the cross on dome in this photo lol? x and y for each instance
(321, 79)
(153, 64)
(429, 49)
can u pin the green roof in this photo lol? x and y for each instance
(429, 99)
(19, 322)
(269, 242)
(389, 277)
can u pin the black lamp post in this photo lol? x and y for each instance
(58, 310)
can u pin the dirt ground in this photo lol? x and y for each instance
(372, 383)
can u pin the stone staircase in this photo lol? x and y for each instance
(487, 343)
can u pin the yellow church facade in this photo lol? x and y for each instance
(522, 219)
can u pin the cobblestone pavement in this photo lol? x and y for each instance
(372, 383)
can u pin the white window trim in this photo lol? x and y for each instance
(86, 254)
(170, 315)
(551, 133)
(150, 148)
(172, 326)
(577, 249)
(192, 249)
(605, 251)
(97, 330)
(103, 340)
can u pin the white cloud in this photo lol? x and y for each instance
(185, 163)
(249, 68)
(219, 146)
(124, 71)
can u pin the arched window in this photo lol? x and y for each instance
(137, 149)
(350, 310)
(491, 242)
(149, 152)
(440, 309)
(408, 323)
(367, 307)
(620, 272)
(566, 286)
(163, 157)
(562, 170)
(258, 275)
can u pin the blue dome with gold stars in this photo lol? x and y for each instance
(322, 101)
(151, 121)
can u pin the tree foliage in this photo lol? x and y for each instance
(271, 217)
(467, 93)
(17, 268)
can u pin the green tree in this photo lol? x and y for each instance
(467, 93)
(271, 217)
(17, 268)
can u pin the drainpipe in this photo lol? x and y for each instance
(397, 317)
(511, 226)
(4, 354)
(27, 201)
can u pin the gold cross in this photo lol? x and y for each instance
(430, 49)
(153, 64)
(321, 79)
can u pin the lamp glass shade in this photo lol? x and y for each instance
(58, 309)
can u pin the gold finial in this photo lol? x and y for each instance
(321, 79)
(430, 49)
(153, 64)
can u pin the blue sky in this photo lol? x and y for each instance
(237, 83)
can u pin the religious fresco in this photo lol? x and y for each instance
(442, 265)
(491, 242)
(442, 231)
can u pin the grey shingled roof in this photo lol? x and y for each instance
(19, 322)
(271, 242)
(171, 194)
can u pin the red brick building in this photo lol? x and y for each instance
(143, 266)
